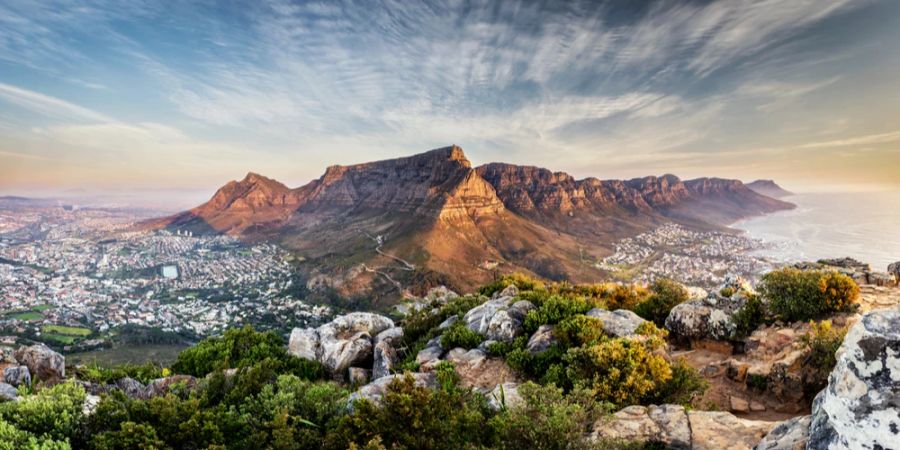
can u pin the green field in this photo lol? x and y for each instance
(42, 307)
(69, 331)
(29, 315)
(133, 354)
(61, 338)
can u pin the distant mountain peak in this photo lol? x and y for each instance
(769, 188)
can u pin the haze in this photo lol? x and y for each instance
(183, 96)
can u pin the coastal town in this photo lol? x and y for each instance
(691, 257)
(72, 278)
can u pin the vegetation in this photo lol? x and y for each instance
(749, 317)
(795, 294)
(665, 295)
(822, 342)
(458, 335)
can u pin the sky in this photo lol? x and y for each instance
(170, 96)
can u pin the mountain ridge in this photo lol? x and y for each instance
(455, 224)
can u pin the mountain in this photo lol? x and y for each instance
(769, 188)
(411, 223)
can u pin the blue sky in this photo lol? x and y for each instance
(114, 94)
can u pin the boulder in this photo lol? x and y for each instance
(704, 319)
(860, 407)
(17, 375)
(392, 336)
(894, 269)
(432, 352)
(541, 340)
(509, 291)
(882, 279)
(498, 320)
(344, 342)
(384, 360)
(448, 322)
(672, 426)
(131, 387)
(714, 430)
(505, 395)
(791, 434)
(477, 370)
(358, 376)
(618, 323)
(162, 386)
(43, 363)
(375, 390)
(666, 424)
(435, 298)
(8, 393)
(738, 404)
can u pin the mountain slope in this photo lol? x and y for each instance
(410, 223)
(768, 188)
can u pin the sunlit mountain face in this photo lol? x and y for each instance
(109, 95)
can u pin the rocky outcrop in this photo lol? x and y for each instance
(505, 395)
(17, 376)
(859, 271)
(498, 319)
(162, 386)
(8, 393)
(791, 434)
(894, 269)
(710, 318)
(672, 426)
(375, 390)
(43, 363)
(618, 323)
(477, 370)
(860, 408)
(344, 342)
(384, 359)
(541, 340)
(131, 387)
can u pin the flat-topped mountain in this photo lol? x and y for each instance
(769, 188)
(431, 218)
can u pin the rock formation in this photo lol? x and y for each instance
(345, 342)
(43, 363)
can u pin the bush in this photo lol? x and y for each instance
(53, 414)
(665, 295)
(822, 342)
(12, 438)
(521, 281)
(795, 294)
(726, 292)
(555, 309)
(96, 373)
(547, 420)
(243, 347)
(625, 297)
(459, 335)
(749, 317)
(685, 386)
(130, 436)
(579, 330)
(620, 371)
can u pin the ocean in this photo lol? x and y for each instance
(862, 225)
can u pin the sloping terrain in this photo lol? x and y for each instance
(407, 224)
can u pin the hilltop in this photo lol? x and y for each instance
(769, 188)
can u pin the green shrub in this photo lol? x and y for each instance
(684, 388)
(822, 342)
(130, 436)
(96, 373)
(726, 292)
(554, 310)
(459, 335)
(243, 347)
(12, 438)
(625, 297)
(665, 295)
(521, 281)
(749, 317)
(547, 420)
(579, 330)
(795, 294)
(52, 414)
(619, 371)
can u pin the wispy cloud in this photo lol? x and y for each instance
(872, 139)
(48, 106)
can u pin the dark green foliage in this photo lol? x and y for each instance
(579, 330)
(756, 381)
(130, 436)
(96, 373)
(554, 309)
(795, 294)
(243, 347)
(685, 386)
(459, 335)
(53, 414)
(665, 295)
(549, 420)
(749, 317)
(413, 417)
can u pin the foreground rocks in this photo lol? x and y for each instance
(43, 363)
(676, 428)
(710, 318)
(499, 319)
(860, 408)
(347, 341)
(375, 390)
(619, 323)
(791, 434)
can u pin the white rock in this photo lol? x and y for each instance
(618, 323)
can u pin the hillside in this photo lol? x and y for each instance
(769, 188)
(407, 224)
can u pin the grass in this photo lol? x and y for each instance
(163, 354)
(69, 331)
(42, 307)
(29, 315)
(59, 338)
